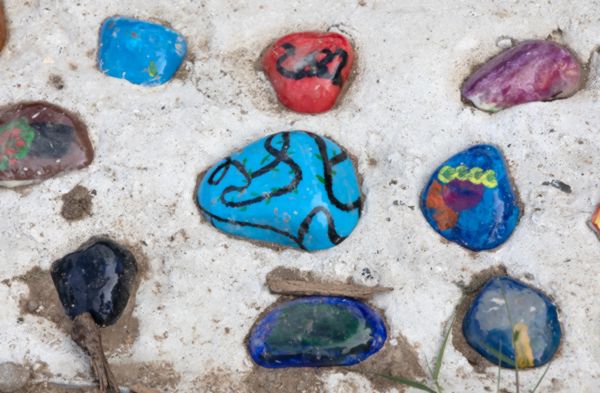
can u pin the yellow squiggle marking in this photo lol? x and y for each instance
(474, 175)
(522, 345)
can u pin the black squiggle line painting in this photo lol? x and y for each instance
(309, 66)
(281, 156)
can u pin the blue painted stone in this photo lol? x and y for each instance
(470, 199)
(294, 188)
(141, 52)
(507, 310)
(95, 279)
(317, 331)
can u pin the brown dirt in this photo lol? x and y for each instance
(155, 375)
(77, 204)
(470, 291)
(43, 301)
(287, 281)
(56, 81)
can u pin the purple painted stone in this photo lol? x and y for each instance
(533, 70)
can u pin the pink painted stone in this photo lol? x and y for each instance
(533, 70)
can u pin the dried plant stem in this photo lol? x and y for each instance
(87, 335)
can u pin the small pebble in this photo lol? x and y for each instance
(13, 377)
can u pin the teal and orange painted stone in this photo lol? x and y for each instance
(511, 324)
(317, 331)
(295, 189)
(470, 199)
(39, 140)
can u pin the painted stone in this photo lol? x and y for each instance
(512, 324)
(295, 189)
(38, 141)
(534, 70)
(315, 332)
(96, 279)
(308, 70)
(470, 200)
(141, 52)
(3, 29)
(595, 222)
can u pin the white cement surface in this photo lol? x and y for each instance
(403, 110)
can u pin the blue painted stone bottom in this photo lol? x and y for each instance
(512, 324)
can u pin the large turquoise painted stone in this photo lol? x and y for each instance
(294, 189)
(470, 199)
(138, 51)
(512, 324)
(315, 332)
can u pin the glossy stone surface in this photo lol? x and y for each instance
(3, 29)
(38, 141)
(512, 324)
(308, 70)
(295, 189)
(98, 279)
(533, 70)
(317, 331)
(141, 52)
(595, 221)
(470, 200)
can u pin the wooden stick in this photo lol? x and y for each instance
(306, 288)
(87, 335)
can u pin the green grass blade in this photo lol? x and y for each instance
(502, 357)
(499, 369)
(408, 382)
(537, 385)
(440, 356)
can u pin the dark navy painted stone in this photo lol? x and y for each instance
(470, 199)
(98, 279)
(317, 331)
(511, 323)
(293, 188)
(141, 52)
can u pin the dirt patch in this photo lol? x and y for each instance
(43, 301)
(160, 376)
(470, 291)
(77, 204)
(56, 81)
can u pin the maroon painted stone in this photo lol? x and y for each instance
(38, 141)
(308, 70)
(533, 70)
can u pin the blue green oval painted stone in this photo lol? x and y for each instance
(138, 51)
(317, 331)
(470, 199)
(512, 324)
(296, 189)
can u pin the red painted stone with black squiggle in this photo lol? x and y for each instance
(308, 70)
